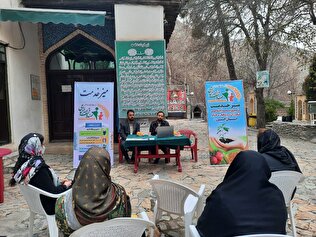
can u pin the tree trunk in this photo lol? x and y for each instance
(261, 120)
(226, 42)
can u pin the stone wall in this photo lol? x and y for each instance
(304, 131)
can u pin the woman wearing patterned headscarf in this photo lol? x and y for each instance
(94, 197)
(23, 155)
(31, 168)
(278, 157)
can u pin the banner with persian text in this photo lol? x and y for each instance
(176, 98)
(227, 122)
(93, 118)
(141, 77)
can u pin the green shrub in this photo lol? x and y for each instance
(309, 85)
(291, 110)
(271, 107)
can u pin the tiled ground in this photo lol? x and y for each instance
(14, 211)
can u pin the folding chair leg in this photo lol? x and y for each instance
(195, 155)
(120, 158)
(192, 155)
(31, 223)
(199, 208)
(52, 226)
(120, 152)
(291, 214)
(157, 214)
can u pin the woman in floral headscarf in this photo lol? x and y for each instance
(94, 197)
(31, 168)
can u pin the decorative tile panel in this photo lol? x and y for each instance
(53, 33)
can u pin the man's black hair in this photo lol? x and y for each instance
(161, 112)
(130, 110)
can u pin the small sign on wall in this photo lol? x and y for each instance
(35, 87)
(66, 88)
(263, 79)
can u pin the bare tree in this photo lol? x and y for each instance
(194, 61)
(311, 8)
(281, 65)
(217, 30)
(260, 23)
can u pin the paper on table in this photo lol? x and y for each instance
(136, 138)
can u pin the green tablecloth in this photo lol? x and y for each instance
(139, 141)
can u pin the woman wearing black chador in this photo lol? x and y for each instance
(278, 157)
(245, 202)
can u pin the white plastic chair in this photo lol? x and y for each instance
(176, 199)
(32, 196)
(195, 233)
(287, 181)
(120, 227)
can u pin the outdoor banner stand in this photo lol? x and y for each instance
(93, 118)
(227, 123)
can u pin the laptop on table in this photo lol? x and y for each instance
(165, 131)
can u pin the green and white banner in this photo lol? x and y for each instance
(263, 79)
(141, 77)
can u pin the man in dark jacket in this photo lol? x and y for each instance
(157, 123)
(153, 131)
(127, 127)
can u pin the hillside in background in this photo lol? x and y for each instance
(191, 63)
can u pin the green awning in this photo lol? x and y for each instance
(37, 15)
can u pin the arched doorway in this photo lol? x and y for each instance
(300, 110)
(78, 60)
(251, 107)
(197, 112)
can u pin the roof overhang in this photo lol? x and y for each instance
(56, 16)
(171, 7)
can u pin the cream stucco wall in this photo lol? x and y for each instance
(132, 22)
(136, 22)
(9, 3)
(25, 113)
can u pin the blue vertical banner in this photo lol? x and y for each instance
(93, 118)
(227, 122)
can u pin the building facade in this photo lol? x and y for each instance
(43, 52)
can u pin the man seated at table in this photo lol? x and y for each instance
(153, 131)
(127, 127)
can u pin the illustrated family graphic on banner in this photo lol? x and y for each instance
(93, 118)
(227, 124)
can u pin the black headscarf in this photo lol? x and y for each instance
(245, 202)
(269, 143)
(23, 155)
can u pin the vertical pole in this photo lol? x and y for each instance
(3, 152)
(1, 180)
(190, 110)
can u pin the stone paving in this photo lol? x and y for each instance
(14, 211)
